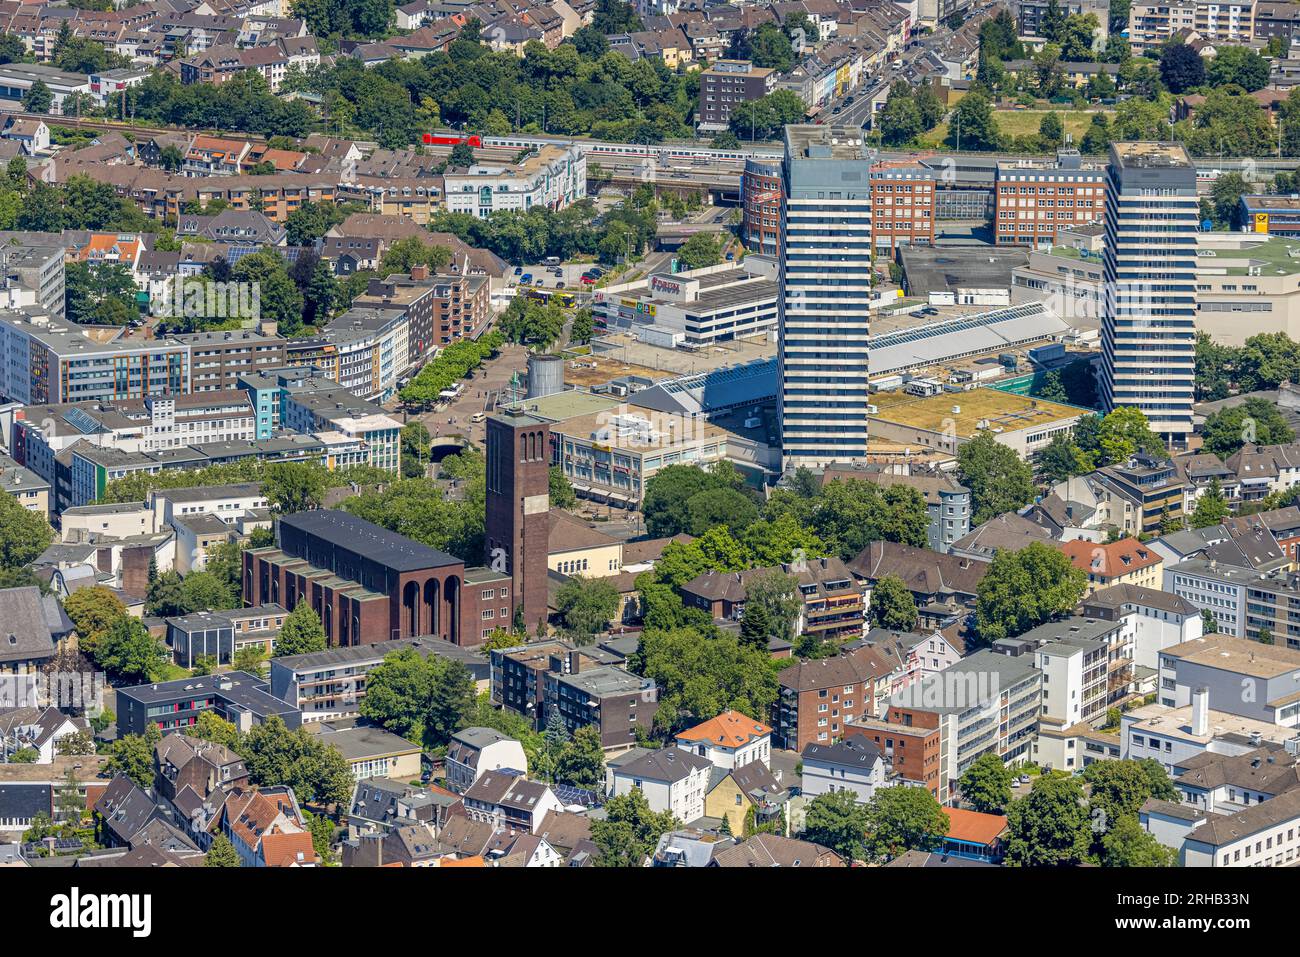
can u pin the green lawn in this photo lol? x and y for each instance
(1023, 123)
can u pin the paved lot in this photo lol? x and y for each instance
(479, 396)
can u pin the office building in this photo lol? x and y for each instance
(824, 300)
(1243, 677)
(44, 359)
(695, 308)
(902, 206)
(1034, 198)
(761, 189)
(1148, 328)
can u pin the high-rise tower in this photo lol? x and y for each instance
(517, 522)
(825, 295)
(1148, 330)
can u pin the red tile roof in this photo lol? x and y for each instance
(731, 729)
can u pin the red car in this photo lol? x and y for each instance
(588, 281)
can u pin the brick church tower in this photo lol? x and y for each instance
(518, 507)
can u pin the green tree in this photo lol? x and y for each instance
(93, 611)
(1181, 68)
(38, 98)
(1254, 422)
(702, 249)
(986, 784)
(892, 605)
(1024, 589)
(587, 605)
(1127, 844)
(582, 760)
(291, 487)
(210, 726)
(629, 831)
(999, 481)
(132, 756)
(836, 820)
(1238, 65)
(222, 853)
(1211, 507)
(561, 489)
(755, 626)
(668, 492)
(24, 534)
(165, 596)
(904, 818)
(972, 125)
(582, 327)
(129, 654)
(1050, 826)
(302, 632)
(701, 678)
(1051, 130)
(777, 594)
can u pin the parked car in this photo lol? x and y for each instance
(526, 279)
(588, 281)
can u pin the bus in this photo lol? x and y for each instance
(565, 299)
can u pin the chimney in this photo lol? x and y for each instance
(1201, 711)
(419, 272)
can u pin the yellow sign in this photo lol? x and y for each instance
(1261, 222)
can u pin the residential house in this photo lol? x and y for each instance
(507, 799)
(853, 764)
(472, 752)
(671, 780)
(730, 740)
(773, 850)
(736, 793)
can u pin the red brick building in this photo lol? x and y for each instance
(1035, 198)
(366, 583)
(761, 190)
(820, 698)
(902, 206)
(912, 752)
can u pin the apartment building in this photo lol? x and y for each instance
(834, 603)
(725, 85)
(1124, 562)
(671, 780)
(551, 177)
(823, 306)
(986, 703)
(1152, 22)
(1087, 667)
(176, 705)
(912, 754)
(1155, 619)
(821, 697)
(1033, 199)
(219, 359)
(339, 411)
(1264, 835)
(1149, 322)
(330, 684)
(607, 697)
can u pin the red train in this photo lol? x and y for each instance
(452, 139)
